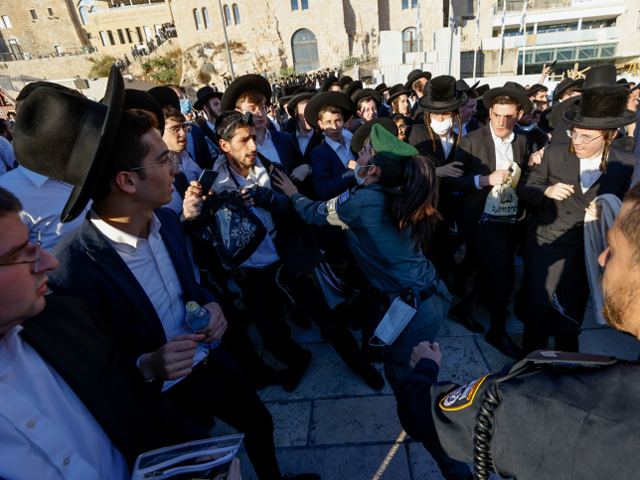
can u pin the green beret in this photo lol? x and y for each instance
(388, 145)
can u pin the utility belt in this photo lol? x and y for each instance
(412, 297)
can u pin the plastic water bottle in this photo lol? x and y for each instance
(197, 318)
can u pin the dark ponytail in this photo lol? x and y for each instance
(412, 195)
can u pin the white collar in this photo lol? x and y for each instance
(119, 237)
(495, 137)
(309, 133)
(336, 145)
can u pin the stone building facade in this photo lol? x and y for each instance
(39, 28)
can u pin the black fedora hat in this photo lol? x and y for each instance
(203, 95)
(601, 108)
(363, 131)
(344, 81)
(464, 86)
(381, 88)
(367, 92)
(284, 100)
(353, 88)
(482, 89)
(600, 76)
(481, 109)
(244, 84)
(557, 111)
(565, 85)
(68, 138)
(330, 80)
(537, 87)
(339, 99)
(442, 96)
(513, 90)
(397, 90)
(142, 100)
(296, 99)
(415, 75)
(165, 96)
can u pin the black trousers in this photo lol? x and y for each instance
(496, 249)
(553, 268)
(219, 388)
(264, 297)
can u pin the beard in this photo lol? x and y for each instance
(614, 306)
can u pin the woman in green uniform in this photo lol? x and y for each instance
(388, 219)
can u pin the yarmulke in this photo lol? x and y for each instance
(388, 145)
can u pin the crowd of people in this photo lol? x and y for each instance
(322, 201)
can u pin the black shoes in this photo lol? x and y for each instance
(293, 375)
(371, 376)
(268, 378)
(504, 344)
(465, 320)
(302, 476)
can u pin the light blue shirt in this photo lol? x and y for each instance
(343, 151)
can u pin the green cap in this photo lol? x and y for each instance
(388, 145)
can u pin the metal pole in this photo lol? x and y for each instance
(226, 41)
(475, 51)
(450, 49)
(524, 46)
(504, 13)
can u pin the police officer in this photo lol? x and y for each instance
(545, 421)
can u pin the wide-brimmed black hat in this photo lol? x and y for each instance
(142, 100)
(381, 88)
(397, 90)
(296, 99)
(330, 80)
(513, 90)
(557, 111)
(367, 92)
(68, 138)
(284, 100)
(339, 99)
(464, 86)
(243, 84)
(599, 76)
(537, 87)
(353, 88)
(344, 81)
(602, 108)
(565, 85)
(482, 89)
(363, 131)
(415, 75)
(442, 96)
(203, 95)
(165, 96)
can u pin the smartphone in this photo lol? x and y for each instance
(553, 64)
(206, 179)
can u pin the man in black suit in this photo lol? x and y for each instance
(489, 156)
(56, 349)
(307, 137)
(137, 275)
(209, 100)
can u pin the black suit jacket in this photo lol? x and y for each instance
(419, 137)
(562, 221)
(76, 345)
(202, 153)
(210, 134)
(92, 270)
(330, 176)
(477, 152)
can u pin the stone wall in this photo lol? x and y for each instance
(50, 68)
(39, 37)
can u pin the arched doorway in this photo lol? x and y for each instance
(305, 51)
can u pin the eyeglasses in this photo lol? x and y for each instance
(38, 243)
(336, 124)
(175, 129)
(253, 109)
(170, 159)
(583, 138)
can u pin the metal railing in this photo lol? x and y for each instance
(65, 52)
(517, 5)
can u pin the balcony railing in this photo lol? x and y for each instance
(13, 56)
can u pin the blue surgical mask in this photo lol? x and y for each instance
(185, 106)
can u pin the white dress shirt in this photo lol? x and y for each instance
(150, 262)
(268, 149)
(43, 200)
(343, 151)
(211, 126)
(447, 144)
(464, 128)
(46, 432)
(6, 155)
(303, 140)
(504, 153)
(275, 123)
(589, 172)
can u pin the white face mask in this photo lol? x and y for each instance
(359, 179)
(441, 128)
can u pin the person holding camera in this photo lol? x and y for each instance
(284, 264)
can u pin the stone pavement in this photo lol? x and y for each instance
(336, 426)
